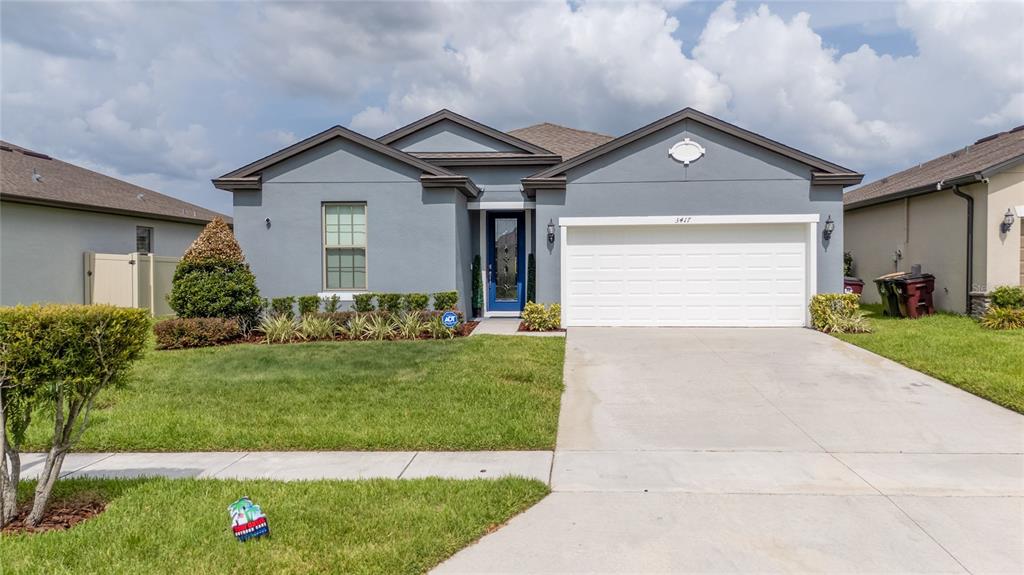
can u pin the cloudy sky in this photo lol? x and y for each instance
(168, 95)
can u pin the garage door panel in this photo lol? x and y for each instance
(726, 275)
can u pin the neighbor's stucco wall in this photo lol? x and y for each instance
(734, 177)
(41, 248)
(1006, 191)
(930, 230)
(411, 231)
(447, 136)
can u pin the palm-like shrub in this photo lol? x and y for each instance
(997, 317)
(213, 280)
(278, 328)
(313, 328)
(379, 327)
(411, 325)
(357, 325)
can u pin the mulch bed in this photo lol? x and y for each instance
(58, 517)
(522, 327)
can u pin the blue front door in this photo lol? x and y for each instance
(506, 261)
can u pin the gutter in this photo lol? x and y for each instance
(970, 243)
(18, 199)
(968, 179)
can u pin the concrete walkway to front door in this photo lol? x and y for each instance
(755, 450)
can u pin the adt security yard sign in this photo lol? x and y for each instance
(450, 319)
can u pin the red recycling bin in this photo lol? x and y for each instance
(915, 295)
(853, 285)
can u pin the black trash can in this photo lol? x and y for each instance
(888, 293)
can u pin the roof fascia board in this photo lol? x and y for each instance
(538, 160)
(967, 179)
(326, 135)
(462, 183)
(821, 178)
(710, 121)
(1002, 166)
(105, 210)
(445, 114)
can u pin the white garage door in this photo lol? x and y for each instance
(685, 275)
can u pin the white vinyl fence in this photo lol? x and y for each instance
(130, 280)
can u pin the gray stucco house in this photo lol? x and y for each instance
(689, 220)
(52, 212)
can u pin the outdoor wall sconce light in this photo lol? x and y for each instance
(551, 231)
(1007, 221)
(830, 227)
(268, 223)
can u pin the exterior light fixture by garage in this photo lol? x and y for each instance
(686, 151)
(268, 223)
(830, 226)
(551, 231)
(1007, 221)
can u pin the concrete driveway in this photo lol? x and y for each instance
(765, 450)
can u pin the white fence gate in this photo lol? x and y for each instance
(130, 280)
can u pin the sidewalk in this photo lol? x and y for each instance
(298, 465)
(509, 326)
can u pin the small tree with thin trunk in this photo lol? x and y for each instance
(59, 357)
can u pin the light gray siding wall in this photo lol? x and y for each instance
(41, 248)
(447, 136)
(734, 177)
(411, 231)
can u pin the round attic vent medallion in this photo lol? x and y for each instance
(686, 151)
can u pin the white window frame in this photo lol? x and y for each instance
(324, 247)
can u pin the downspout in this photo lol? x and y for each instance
(970, 244)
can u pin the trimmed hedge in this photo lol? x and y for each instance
(837, 313)
(536, 317)
(363, 302)
(309, 304)
(1008, 297)
(415, 301)
(213, 280)
(446, 300)
(180, 333)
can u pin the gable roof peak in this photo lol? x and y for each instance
(446, 114)
(819, 165)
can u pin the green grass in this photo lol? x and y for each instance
(475, 393)
(952, 348)
(182, 526)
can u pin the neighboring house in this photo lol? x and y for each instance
(921, 216)
(687, 221)
(52, 212)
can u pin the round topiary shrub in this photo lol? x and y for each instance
(213, 280)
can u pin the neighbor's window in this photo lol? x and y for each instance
(345, 246)
(143, 240)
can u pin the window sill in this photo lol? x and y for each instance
(342, 295)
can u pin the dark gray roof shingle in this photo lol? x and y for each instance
(986, 153)
(566, 142)
(37, 178)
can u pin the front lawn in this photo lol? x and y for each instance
(182, 526)
(474, 393)
(952, 348)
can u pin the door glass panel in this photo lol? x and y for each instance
(506, 259)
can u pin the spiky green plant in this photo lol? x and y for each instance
(411, 325)
(379, 327)
(278, 328)
(437, 329)
(357, 325)
(313, 328)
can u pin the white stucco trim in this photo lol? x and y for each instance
(812, 269)
(343, 295)
(682, 220)
(502, 314)
(563, 296)
(502, 205)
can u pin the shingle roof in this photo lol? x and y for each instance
(37, 178)
(983, 155)
(566, 142)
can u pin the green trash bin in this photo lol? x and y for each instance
(888, 293)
